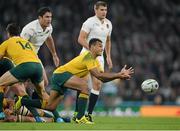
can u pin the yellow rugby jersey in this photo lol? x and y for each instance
(80, 65)
(18, 50)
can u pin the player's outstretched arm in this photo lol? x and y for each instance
(126, 73)
(105, 77)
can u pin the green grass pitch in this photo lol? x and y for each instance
(103, 123)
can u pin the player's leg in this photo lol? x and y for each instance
(45, 78)
(59, 84)
(18, 89)
(56, 116)
(80, 85)
(5, 80)
(37, 79)
(5, 65)
(93, 97)
(35, 75)
(31, 71)
(95, 90)
(44, 97)
(8, 79)
(62, 80)
(89, 81)
(49, 104)
(2, 115)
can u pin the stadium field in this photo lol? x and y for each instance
(103, 123)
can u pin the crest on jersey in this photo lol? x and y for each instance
(107, 25)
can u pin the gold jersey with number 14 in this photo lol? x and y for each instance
(19, 50)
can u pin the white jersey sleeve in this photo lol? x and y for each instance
(87, 26)
(27, 33)
(51, 30)
(110, 28)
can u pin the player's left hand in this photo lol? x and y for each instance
(56, 60)
(109, 62)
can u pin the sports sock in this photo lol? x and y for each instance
(82, 102)
(31, 109)
(31, 102)
(1, 101)
(92, 102)
(76, 106)
(56, 114)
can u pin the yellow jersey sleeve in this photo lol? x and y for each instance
(90, 62)
(3, 48)
(99, 67)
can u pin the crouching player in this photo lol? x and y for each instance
(28, 66)
(70, 76)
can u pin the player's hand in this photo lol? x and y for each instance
(56, 60)
(126, 73)
(109, 62)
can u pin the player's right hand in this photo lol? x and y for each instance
(126, 73)
(56, 60)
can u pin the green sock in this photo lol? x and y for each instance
(82, 102)
(31, 109)
(76, 106)
(92, 102)
(1, 101)
(31, 102)
(56, 114)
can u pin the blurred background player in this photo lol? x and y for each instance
(70, 76)
(39, 32)
(99, 27)
(28, 65)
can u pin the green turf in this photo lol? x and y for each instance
(102, 123)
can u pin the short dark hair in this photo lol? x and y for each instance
(13, 29)
(93, 41)
(43, 10)
(100, 3)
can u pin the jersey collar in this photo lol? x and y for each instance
(39, 28)
(99, 21)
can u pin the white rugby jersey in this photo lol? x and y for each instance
(34, 33)
(96, 29)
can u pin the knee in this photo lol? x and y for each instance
(97, 85)
(84, 87)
